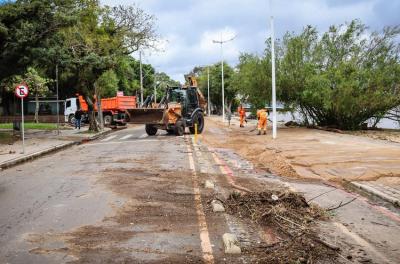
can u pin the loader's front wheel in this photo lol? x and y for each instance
(179, 128)
(199, 120)
(151, 130)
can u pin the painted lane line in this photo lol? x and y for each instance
(126, 137)
(201, 218)
(123, 142)
(108, 138)
(144, 136)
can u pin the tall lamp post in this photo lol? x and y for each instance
(274, 125)
(141, 78)
(208, 92)
(222, 73)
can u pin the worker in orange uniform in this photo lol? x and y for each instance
(242, 115)
(262, 120)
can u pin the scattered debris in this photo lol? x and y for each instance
(217, 206)
(231, 244)
(292, 218)
(292, 124)
(209, 184)
(341, 204)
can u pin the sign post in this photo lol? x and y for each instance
(22, 91)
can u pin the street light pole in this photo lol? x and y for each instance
(208, 91)
(222, 73)
(141, 78)
(155, 88)
(274, 125)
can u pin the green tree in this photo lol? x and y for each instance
(253, 79)
(107, 84)
(99, 39)
(216, 84)
(38, 85)
(344, 77)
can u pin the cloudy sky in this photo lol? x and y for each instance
(188, 27)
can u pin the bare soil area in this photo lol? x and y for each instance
(387, 134)
(310, 154)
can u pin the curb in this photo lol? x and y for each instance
(38, 154)
(377, 193)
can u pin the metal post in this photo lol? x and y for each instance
(222, 82)
(208, 91)
(58, 103)
(141, 78)
(222, 74)
(274, 125)
(155, 88)
(22, 124)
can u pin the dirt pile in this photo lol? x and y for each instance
(293, 220)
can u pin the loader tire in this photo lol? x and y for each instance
(108, 119)
(199, 120)
(151, 130)
(179, 128)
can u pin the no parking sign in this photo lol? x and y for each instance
(21, 90)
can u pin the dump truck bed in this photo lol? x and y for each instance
(120, 103)
(145, 115)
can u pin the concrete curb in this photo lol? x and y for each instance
(376, 192)
(35, 155)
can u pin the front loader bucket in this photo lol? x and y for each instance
(145, 115)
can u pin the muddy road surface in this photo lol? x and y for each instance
(130, 198)
(125, 198)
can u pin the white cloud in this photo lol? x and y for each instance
(191, 25)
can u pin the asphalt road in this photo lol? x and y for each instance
(130, 198)
(124, 198)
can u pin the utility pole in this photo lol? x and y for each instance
(141, 78)
(208, 91)
(274, 125)
(155, 88)
(222, 73)
(58, 103)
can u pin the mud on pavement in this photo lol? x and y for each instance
(156, 204)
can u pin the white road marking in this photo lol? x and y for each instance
(201, 218)
(122, 142)
(144, 136)
(109, 138)
(126, 137)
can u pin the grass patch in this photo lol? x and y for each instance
(31, 125)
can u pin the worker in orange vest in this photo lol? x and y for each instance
(242, 115)
(262, 120)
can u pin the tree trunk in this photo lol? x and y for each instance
(93, 125)
(36, 108)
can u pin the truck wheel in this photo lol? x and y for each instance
(199, 120)
(71, 119)
(107, 120)
(179, 128)
(151, 130)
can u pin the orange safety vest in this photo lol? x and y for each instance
(262, 114)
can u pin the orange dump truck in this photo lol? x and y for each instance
(114, 108)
